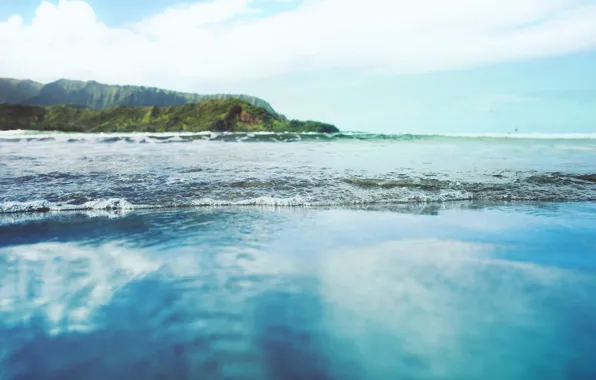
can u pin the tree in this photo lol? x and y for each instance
(155, 111)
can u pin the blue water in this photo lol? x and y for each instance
(312, 260)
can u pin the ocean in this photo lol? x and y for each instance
(297, 256)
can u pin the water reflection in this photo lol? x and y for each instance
(110, 312)
(434, 309)
(258, 301)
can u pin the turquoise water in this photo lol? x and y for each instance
(347, 259)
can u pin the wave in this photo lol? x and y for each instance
(45, 206)
(185, 137)
(57, 191)
(119, 206)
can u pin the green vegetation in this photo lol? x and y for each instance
(67, 105)
(101, 96)
(231, 114)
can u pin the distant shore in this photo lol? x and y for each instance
(227, 115)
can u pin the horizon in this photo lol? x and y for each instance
(465, 68)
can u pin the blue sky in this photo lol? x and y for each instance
(375, 65)
(111, 12)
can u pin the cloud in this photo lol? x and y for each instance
(232, 40)
(188, 19)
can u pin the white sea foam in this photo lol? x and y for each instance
(9, 207)
(42, 205)
(26, 135)
(260, 201)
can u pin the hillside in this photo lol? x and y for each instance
(101, 96)
(17, 91)
(233, 115)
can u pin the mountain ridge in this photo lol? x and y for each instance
(102, 96)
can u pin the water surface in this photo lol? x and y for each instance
(380, 258)
(95, 171)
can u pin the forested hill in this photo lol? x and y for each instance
(226, 115)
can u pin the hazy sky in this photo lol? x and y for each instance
(375, 65)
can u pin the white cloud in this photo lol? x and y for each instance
(214, 40)
(189, 19)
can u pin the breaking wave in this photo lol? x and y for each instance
(186, 137)
(51, 171)
(340, 191)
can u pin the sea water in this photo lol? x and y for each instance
(297, 256)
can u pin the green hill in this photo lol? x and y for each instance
(101, 96)
(231, 114)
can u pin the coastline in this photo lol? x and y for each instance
(228, 115)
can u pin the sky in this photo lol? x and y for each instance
(391, 66)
